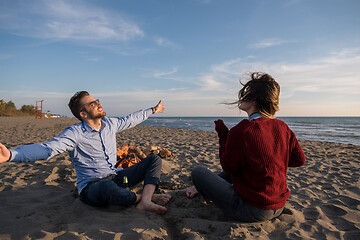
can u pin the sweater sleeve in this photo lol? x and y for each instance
(229, 152)
(222, 131)
(297, 156)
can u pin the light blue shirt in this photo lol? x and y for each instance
(255, 116)
(92, 152)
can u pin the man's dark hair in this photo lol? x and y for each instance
(74, 103)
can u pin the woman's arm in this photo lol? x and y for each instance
(297, 156)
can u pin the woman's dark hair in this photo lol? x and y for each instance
(74, 103)
(264, 91)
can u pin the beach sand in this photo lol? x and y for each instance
(37, 200)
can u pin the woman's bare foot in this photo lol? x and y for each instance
(161, 199)
(190, 192)
(150, 206)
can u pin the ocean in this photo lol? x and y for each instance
(326, 129)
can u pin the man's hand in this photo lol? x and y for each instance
(158, 108)
(4, 154)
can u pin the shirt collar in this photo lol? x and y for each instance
(255, 116)
(86, 127)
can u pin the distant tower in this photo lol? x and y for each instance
(38, 109)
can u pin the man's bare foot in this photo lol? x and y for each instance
(190, 192)
(161, 199)
(150, 206)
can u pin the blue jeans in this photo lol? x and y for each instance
(110, 190)
(219, 189)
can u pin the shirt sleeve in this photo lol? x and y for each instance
(297, 156)
(44, 151)
(132, 119)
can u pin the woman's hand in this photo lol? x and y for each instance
(220, 127)
(190, 192)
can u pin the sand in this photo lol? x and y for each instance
(37, 200)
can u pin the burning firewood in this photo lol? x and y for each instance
(129, 155)
(126, 156)
(139, 153)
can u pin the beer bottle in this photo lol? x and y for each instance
(125, 182)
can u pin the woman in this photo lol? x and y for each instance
(254, 156)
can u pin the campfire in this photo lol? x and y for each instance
(128, 155)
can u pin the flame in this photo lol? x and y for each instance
(126, 156)
(123, 151)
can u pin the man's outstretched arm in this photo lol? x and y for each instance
(41, 151)
(137, 117)
(4, 154)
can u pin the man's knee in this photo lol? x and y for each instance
(154, 160)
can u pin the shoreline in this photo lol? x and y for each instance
(72, 120)
(37, 198)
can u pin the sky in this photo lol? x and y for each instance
(191, 54)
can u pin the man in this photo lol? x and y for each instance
(92, 148)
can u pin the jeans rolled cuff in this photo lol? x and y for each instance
(133, 198)
(154, 181)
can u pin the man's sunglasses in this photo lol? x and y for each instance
(91, 104)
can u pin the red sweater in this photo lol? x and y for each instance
(257, 154)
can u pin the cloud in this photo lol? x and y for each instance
(267, 43)
(66, 20)
(210, 83)
(213, 81)
(165, 75)
(205, 1)
(163, 42)
(4, 56)
(291, 3)
(312, 87)
(168, 75)
(225, 67)
(222, 76)
(93, 59)
(338, 72)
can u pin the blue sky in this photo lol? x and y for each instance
(189, 53)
